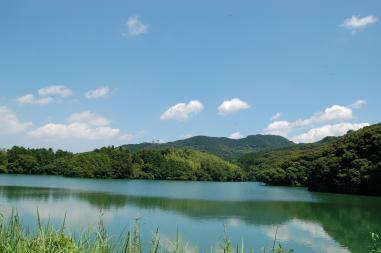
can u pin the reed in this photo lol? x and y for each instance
(14, 238)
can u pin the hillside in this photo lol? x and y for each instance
(349, 164)
(110, 162)
(221, 146)
(285, 166)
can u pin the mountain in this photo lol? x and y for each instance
(221, 146)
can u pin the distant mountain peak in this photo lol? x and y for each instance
(222, 146)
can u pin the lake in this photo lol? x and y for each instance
(306, 221)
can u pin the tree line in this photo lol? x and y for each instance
(120, 163)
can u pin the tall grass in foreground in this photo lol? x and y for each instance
(14, 238)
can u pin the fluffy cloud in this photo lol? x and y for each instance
(281, 128)
(335, 112)
(46, 95)
(332, 121)
(276, 116)
(356, 22)
(98, 93)
(135, 27)
(83, 125)
(236, 136)
(182, 111)
(74, 130)
(231, 106)
(29, 99)
(89, 118)
(55, 90)
(316, 134)
(332, 113)
(9, 122)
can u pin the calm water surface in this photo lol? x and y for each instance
(307, 222)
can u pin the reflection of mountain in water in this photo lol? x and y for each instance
(348, 220)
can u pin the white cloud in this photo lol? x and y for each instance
(236, 136)
(276, 116)
(9, 122)
(231, 106)
(135, 27)
(31, 100)
(332, 121)
(55, 90)
(281, 128)
(46, 95)
(89, 118)
(358, 104)
(356, 22)
(332, 113)
(316, 134)
(335, 112)
(74, 130)
(98, 93)
(82, 125)
(182, 111)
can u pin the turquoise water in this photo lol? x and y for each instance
(306, 222)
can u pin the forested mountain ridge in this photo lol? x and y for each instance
(221, 146)
(348, 164)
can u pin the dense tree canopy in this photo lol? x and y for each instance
(288, 167)
(350, 164)
(3, 161)
(111, 162)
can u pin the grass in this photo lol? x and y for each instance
(14, 238)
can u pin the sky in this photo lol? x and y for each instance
(78, 75)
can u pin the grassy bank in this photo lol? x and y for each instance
(14, 238)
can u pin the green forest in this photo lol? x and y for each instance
(348, 164)
(120, 163)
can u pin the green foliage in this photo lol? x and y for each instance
(111, 162)
(14, 238)
(375, 247)
(223, 147)
(3, 161)
(288, 166)
(349, 164)
(29, 161)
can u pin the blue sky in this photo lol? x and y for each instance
(161, 70)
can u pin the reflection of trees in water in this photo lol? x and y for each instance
(97, 199)
(347, 219)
